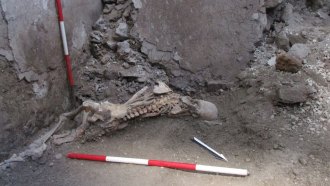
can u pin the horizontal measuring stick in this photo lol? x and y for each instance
(161, 163)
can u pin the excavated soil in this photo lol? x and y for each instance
(273, 123)
(273, 156)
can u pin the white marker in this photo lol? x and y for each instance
(210, 149)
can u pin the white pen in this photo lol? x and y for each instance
(210, 149)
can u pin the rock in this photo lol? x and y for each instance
(153, 54)
(100, 25)
(288, 63)
(126, 65)
(315, 4)
(112, 44)
(131, 90)
(287, 15)
(122, 6)
(296, 38)
(58, 156)
(215, 85)
(299, 50)
(110, 75)
(40, 89)
(29, 76)
(302, 161)
(176, 57)
(134, 72)
(272, 3)
(295, 172)
(113, 16)
(261, 18)
(255, 16)
(122, 31)
(137, 4)
(7, 54)
(108, 8)
(127, 54)
(127, 12)
(272, 61)
(179, 83)
(322, 14)
(107, 58)
(294, 94)
(133, 58)
(282, 41)
(123, 48)
(51, 164)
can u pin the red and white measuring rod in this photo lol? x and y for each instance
(65, 43)
(159, 163)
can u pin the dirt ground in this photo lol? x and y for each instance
(273, 157)
(275, 124)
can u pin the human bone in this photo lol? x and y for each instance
(147, 102)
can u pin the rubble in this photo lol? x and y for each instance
(29, 76)
(122, 31)
(299, 50)
(123, 48)
(137, 72)
(287, 15)
(296, 37)
(137, 4)
(108, 8)
(294, 94)
(153, 54)
(288, 63)
(114, 15)
(112, 44)
(316, 4)
(282, 41)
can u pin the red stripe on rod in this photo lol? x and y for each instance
(173, 165)
(69, 70)
(59, 10)
(91, 157)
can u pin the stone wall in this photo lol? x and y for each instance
(218, 36)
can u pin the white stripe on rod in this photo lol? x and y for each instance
(222, 170)
(64, 41)
(127, 160)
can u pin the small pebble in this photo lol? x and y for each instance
(51, 164)
(58, 156)
(302, 161)
(295, 172)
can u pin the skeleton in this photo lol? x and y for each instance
(148, 102)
